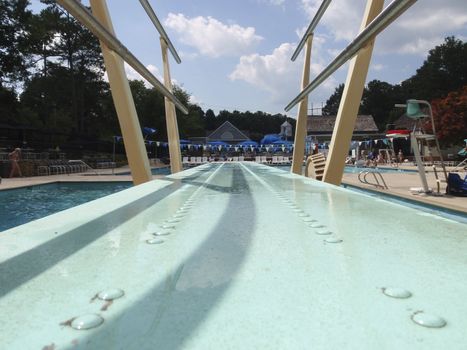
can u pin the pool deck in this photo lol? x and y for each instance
(398, 183)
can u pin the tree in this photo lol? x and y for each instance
(14, 31)
(332, 104)
(444, 70)
(450, 117)
(378, 101)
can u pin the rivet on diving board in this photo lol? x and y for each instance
(308, 219)
(398, 293)
(111, 294)
(168, 227)
(302, 215)
(298, 210)
(154, 241)
(179, 216)
(87, 322)
(333, 240)
(323, 232)
(161, 233)
(172, 221)
(428, 320)
(316, 225)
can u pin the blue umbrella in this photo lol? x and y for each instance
(248, 143)
(218, 143)
(270, 138)
(283, 142)
(148, 131)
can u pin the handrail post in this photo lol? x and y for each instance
(350, 102)
(301, 125)
(123, 101)
(173, 137)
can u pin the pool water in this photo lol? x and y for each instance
(30, 203)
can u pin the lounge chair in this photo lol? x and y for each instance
(235, 159)
(199, 160)
(185, 160)
(258, 159)
(205, 160)
(456, 186)
(275, 160)
(462, 153)
(264, 159)
(241, 159)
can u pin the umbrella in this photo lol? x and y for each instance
(270, 138)
(283, 142)
(218, 143)
(248, 143)
(148, 131)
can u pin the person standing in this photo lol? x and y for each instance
(14, 157)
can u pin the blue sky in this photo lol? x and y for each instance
(236, 54)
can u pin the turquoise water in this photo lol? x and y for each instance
(30, 203)
(154, 171)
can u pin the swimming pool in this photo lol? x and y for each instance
(25, 204)
(154, 171)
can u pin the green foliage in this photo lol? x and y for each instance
(14, 32)
(444, 70)
(332, 104)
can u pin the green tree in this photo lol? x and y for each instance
(444, 70)
(378, 100)
(14, 31)
(332, 104)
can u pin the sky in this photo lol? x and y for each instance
(236, 54)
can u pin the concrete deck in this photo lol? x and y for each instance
(400, 183)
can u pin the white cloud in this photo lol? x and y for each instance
(212, 37)
(134, 75)
(274, 2)
(377, 67)
(342, 18)
(419, 29)
(278, 75)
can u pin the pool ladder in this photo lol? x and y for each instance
(379, 180)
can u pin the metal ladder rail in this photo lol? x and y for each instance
(377, 182)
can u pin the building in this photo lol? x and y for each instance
(227, 132)
(320, 128)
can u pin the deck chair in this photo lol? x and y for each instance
(205, 160)
(258, 159)
(462, 153)
(275, 160)
(241, 159)
(456, 186)
(264, 159)
(185, 160)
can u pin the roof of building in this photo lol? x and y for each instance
(325, 124)
(404, 122)
(227, 132)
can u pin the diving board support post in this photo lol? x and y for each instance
(123, 101)
(350, 102)
(301, 125)
(173, 136)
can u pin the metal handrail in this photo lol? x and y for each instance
(386, 17)
(77, 10)
(152, 15)
(311, 28)
(377, 183)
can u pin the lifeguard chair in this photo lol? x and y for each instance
(421, 138)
